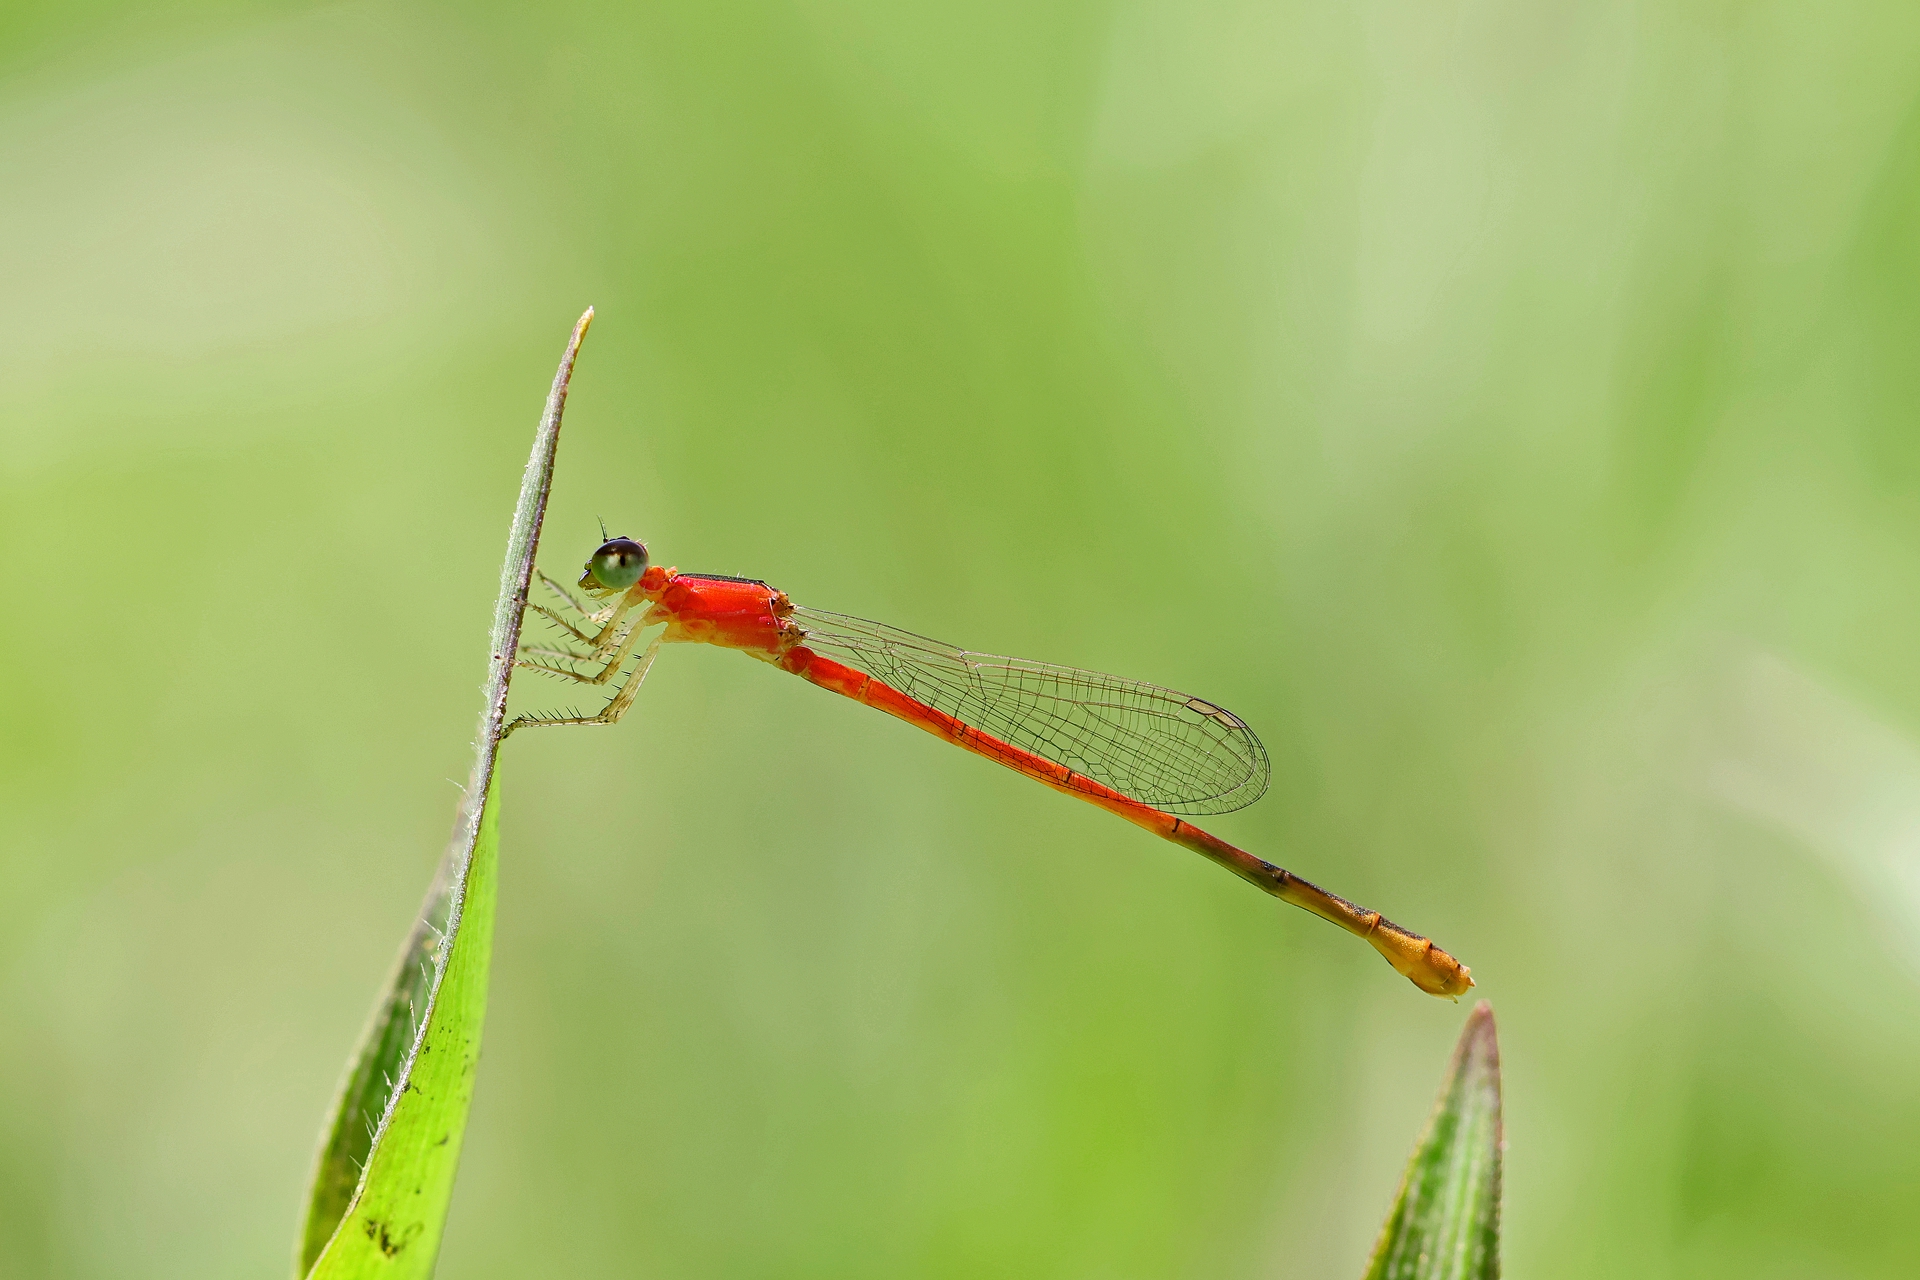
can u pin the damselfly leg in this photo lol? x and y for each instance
(625, 689)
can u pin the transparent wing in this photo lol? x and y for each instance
(1166, 749)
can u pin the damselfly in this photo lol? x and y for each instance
(1138, 750)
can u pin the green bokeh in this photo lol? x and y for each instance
(1511, 411)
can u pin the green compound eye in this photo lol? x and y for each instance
(618, 564)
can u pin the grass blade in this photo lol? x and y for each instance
(384, 1176)
(382, 1057)
(392, 1226)
(1445, 1222)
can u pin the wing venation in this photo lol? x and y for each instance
(1173, 751)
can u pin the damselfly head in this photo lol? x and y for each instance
(616, 566)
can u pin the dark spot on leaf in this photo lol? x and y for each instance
(387, 1240)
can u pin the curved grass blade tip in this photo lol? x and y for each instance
(384, 1176)
(1445, 1221)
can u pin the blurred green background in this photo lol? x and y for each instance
(1510, 410)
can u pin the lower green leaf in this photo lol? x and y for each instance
(381, 1190)
(1445, 1222)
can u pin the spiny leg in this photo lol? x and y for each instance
(560, 589)
(630, 688)
(616, 706)
(607, 672)
(571, 606)
(530, 652)
(607, 619)
(560, 622)
(604, 639)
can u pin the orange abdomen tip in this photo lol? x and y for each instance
(1421, 962)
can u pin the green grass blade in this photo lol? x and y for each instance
(1445, 1223)
(384, 1176)
(393, 1226)
(382, 1058)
